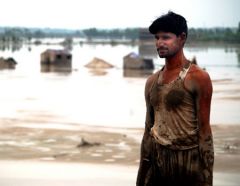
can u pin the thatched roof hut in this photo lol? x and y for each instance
(98, 63)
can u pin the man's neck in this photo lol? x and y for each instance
(175, 62)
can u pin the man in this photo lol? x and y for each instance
(177, 146)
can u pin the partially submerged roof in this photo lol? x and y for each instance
(131, 55)
(56, 51)
(98, 63)
(134, 61)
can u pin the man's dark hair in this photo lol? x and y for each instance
(170, 22)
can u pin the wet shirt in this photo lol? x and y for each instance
(175, 124)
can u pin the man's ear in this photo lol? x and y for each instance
(183, 37)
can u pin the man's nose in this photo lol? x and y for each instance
(159, 42)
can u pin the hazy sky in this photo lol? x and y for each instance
(79, 14)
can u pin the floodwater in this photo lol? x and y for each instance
(30, 94)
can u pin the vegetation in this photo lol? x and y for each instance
(21, 35)
(229, 35)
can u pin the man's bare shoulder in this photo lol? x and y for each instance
(198, 74)
(197, 79)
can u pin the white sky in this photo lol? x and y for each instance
(80, 14)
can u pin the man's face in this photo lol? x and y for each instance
(168, 44)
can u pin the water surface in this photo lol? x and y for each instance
(109, 97)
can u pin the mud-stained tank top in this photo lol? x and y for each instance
(175, 119)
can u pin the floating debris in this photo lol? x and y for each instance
(85, 143)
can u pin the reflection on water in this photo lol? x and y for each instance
(238, 56)
(137, 73)
(9, 46)
(98, 72)
(56, 68)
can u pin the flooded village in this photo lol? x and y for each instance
(80, 101)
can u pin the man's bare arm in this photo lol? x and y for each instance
(203, 89)
(146, 145)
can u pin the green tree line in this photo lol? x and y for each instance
(231, 35)
(217, 34)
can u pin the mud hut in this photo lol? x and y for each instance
(8, 63)
(133, 61)
(56, 57)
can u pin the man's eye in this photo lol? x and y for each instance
(165, 37)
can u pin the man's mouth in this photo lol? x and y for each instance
(161, 50)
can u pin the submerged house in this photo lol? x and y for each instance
(134, 61)
(56, 57)
(56, 61)
(98, 66)
(98, 63)
(8, 63)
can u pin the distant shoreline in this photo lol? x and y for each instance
(105, 41)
